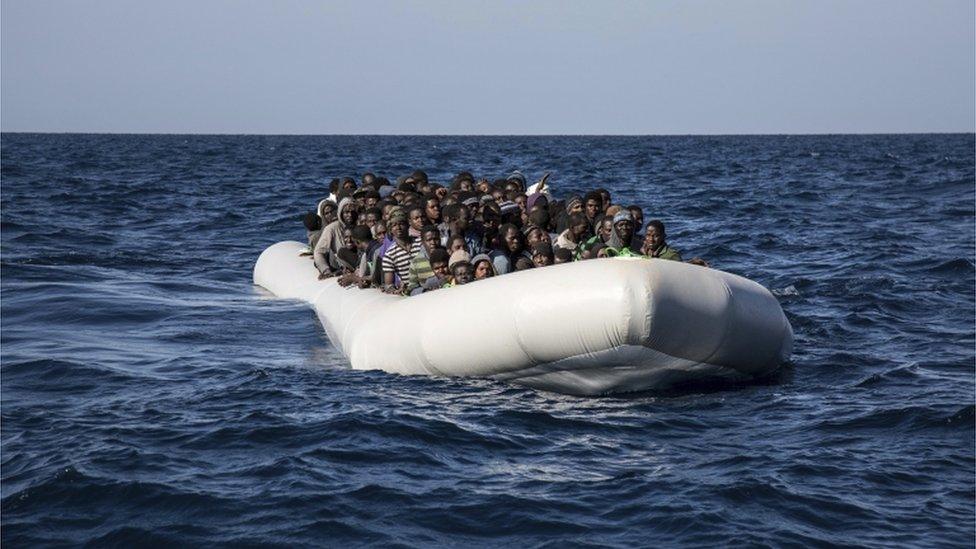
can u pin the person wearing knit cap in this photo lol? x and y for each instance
(483, 267)
(542, 255)
(457, 257)
(508, 208)
(574, 204)
(535, 234)
(623, 241)
(536, 199)
(517, 177)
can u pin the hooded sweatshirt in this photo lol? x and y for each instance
(330, 241)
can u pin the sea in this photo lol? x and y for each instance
(151, 395)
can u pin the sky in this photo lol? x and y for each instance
(488, 67)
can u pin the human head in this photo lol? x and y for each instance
(432, 209)
(604, 227)
(327, 211)
(655, 237)
(362, 236)
(456, 243)
(348, 184)
(593, 204)
(398, 226)
(542, 254)
(623, 225)
(578, 225)
(347, 241)
(379, 230)
(463, 272)
(540, 217)
(430, 238)
(637, 214)
(535, 235)
(438, 262)
(574, 204)
(605, 196)
(456, 215)
(416, 218)
(510, 239)
(562, 255)
(369, 180)
(371, 216)
(523, 263)
(312, 221)
(348, 211)
(597, 251)
(483, 267)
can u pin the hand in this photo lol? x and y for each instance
(542, 183)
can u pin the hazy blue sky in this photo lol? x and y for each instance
(454, 66)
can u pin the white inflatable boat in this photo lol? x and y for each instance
(585, 328)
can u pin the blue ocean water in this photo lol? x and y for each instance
(150, 394)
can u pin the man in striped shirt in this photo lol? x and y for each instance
(396, 260)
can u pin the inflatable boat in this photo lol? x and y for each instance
(584, 328)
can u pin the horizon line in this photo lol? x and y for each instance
(235, 134)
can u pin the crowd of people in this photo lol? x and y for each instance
(417, 236)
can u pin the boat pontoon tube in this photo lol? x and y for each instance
(588, 327)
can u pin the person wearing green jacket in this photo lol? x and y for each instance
(655, 245)
(622, 241)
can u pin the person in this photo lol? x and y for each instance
(371, 216)
(593, 206)
(331, 238)
(542, 255)
(313, 229)
(535, 234)
(604, 227)
(561, 255)
(417, 221)
(638, 216)
(655, 244)
(598, 251)
(327, 211)
(432, 210)
(574, 235)
(396, 259)
(622, 241)
(462, 273)
(420, 267)
(509, 245)
(604, 197)
(440, 274)
(483, 267)
(457, 242)
(456, 225)
(524, 263)
(366, 246)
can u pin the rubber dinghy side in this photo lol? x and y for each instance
(590, 327)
